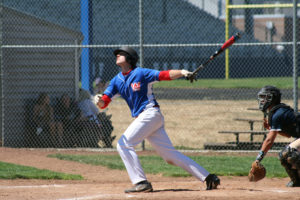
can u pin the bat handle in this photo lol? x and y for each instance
(198, 69)
(193, 76)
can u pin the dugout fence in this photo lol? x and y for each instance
(62, 47)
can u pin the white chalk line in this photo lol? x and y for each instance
(270, 190)
(98, 196)
(91, 197)
(31, 186)
(278, 191)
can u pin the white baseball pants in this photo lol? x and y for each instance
(150, 125)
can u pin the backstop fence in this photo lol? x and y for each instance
(56, 55)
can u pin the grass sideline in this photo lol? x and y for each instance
(220, 165)
(280, 82)
(13, 171)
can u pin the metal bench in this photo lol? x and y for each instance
(237, 145)
(250, 121)
(251, 132)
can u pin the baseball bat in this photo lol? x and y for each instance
(227, 44)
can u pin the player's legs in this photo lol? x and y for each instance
(165, 149)
(143, 126)
(295, 144)
(290, 160)
(162, 144)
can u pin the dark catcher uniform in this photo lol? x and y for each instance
(282, 120)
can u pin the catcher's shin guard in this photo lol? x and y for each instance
(212, 182)
(290, 160)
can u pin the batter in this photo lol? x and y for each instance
(134, 84)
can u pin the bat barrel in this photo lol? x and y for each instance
(229, 42)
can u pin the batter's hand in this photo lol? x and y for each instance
(186, 73)
(98, 100)
(192, 77)
(189, 75)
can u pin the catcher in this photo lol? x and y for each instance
(281, 120)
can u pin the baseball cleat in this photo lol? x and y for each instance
(143, 186)
(212, 182)
(292, 184)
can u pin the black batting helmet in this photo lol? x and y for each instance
(267, 96)
(130, 54)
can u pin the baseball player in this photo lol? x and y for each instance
(282, 120)
(134, 84)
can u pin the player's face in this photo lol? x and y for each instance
(120, 59)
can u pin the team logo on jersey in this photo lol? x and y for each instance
(136, 86)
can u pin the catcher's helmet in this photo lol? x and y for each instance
(130, 54)
(267, 96)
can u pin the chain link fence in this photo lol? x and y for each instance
(45, 46)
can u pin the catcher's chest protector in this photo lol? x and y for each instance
(290, 129)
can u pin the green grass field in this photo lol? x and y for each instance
(220, 165)
(13, 171)
(282, 83)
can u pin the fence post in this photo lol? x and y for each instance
(295, 55)
(1, 81)
(86, 54)
(141, 27)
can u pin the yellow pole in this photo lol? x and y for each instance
(226, 38)
(247, 6)
(284, 5)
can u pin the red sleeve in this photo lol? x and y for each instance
(106, 100)
(164, 76)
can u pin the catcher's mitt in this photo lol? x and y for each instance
(257, 172)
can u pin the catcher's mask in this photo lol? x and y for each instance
(129, 53)
(267, 96)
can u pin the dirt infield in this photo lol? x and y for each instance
(102, 183)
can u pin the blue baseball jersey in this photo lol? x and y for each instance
(283, 117)
(135, 88)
